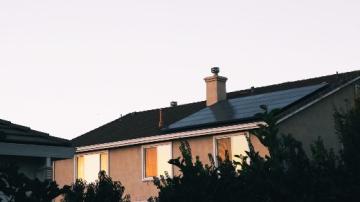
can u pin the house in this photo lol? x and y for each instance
(136, 147)
(32, 151)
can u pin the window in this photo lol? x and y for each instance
(357, 91)
(233, 145)
(155, 160)
(88, 166)
(223, 146)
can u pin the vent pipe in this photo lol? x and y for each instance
(161, 118)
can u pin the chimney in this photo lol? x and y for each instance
(215, 87)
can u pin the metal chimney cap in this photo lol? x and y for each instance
(173, 104)
(215, 70)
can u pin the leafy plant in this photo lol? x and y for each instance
(15, 186)
(103, 190)
(286, 174)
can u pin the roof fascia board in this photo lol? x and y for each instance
(172, 136)
(317, 100)
(31, 150)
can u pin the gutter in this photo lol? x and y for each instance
(172, 136)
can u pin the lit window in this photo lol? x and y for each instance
(155, 161)
(104, 160)
(80, 167)
(223, 147)
(233, 145)
(89, 166)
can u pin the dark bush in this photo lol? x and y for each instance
(286, 174)
(103, 190)
(15, 186)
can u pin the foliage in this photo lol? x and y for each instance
(286, 174)
(15, 186)
(103, 190)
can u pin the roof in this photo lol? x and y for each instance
(14, 133)
(245, 108)
(146, 123)
(137, 125)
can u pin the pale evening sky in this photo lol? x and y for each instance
(67, 67)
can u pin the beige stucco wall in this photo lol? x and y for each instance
(126, 163)
(63, 173)
(200, 146)
(317, 120)
(263, 151)
(203, 146)
(126, 167)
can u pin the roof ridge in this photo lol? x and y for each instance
(198, 102)
(169, 107)
(193, 106)
(15, 125)
(296, 81)
(312, 78)
(3, 121)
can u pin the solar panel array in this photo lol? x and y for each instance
(244, 107)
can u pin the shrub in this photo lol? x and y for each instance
(103, 190)
(286, 174)
(15, 186)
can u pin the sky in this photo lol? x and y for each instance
(67, 67)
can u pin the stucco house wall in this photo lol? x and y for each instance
(126, 163)
(318, 120)
(126, 166)
(64, 172)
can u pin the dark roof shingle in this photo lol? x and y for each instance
(14, 133)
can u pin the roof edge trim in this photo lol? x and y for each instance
(317, 100)
(32, 150)
(172, 136)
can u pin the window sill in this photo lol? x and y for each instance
(148, 179)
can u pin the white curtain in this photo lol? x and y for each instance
(163, 156)
(91, 167)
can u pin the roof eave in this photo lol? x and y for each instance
(171, 136)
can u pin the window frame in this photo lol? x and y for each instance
(90, 153)
(143, 166)
(216, 137)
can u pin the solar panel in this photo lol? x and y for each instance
(245, 107)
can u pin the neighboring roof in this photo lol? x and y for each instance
(14, 133)
(146, 123)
